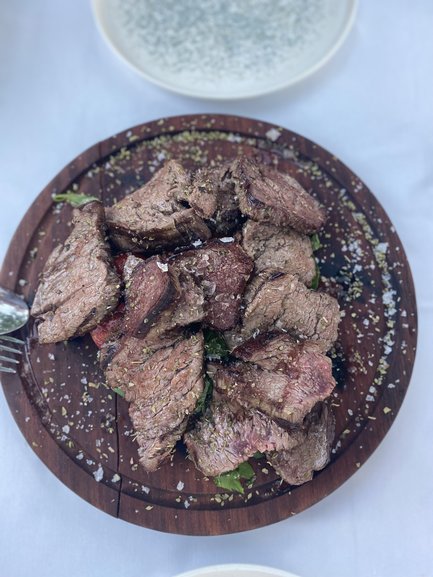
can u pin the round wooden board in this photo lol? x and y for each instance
(82, 431)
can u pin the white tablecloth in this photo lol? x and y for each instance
(62, 90)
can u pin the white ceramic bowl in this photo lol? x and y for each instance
(237, 570)
(227, 49)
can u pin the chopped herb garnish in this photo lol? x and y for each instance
(315, 242)
(229, 481)
(316, 280)
(215, 345)
(119, 391)
(205, 398)
(232, 480)
(246, 471)
(74, 198)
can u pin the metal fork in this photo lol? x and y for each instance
(14, 313)
(6, 346)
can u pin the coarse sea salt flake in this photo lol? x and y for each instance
(66, 429)
(382, 247)
(180, 485)
(388, 297)
(273, 134)
(98, 474)
(162, 266)
(227, 239)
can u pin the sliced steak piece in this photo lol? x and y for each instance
(282, 353)
(221, 270)
(79, 285)
(124, 357)
(149, 289)
(297, 465)
(191, 305)
(286, 382)
(228, 434)
(163, 388)
(280, 249)
(110, 328)
(151, 218)
(159, 297)
(282, 302)
(212, 197)
(267, 195)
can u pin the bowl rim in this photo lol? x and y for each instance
(233, 567)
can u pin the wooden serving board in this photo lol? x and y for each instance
(81, 430)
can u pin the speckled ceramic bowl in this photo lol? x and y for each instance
(225, 49)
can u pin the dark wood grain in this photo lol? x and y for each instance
(81, 430)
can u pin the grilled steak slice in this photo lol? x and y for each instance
(110, 328)
(149, 289)
(228, 434)
(190, 306)
(297, 465)
(124, 357)
(163, 387)
(151, 218)
(280, 249)
(282, 353)
(221, 270)
(160, 297)
(212, 197)
(79, 285)
(286, 381)
(282, 302)
(267, 195)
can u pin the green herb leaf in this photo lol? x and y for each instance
(315, 242)
(74, 198)
(215, 345)
(119, 391)
(246, 471)
(205, 398)
(258, 455)
(316, 280)
(231, 481)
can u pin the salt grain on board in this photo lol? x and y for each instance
(98, 474)
(273, 134)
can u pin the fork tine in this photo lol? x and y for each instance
(6, 370)
(11, 339)
(10, 350)
(8, 360)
